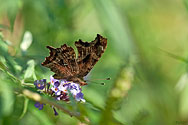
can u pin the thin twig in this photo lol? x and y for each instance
(36, 97)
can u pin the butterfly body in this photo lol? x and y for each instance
(63, 62)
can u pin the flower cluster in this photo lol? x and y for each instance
(60, 90)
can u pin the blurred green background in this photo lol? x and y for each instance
(145, 58)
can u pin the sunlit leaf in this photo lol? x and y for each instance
(184, 100)
(30, 71)
(27, 41)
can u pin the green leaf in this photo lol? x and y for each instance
(182, 89)
(30, 71)
(42, 117)
(27, 41)
(3, 47)
(12, 12)
(175, 56)
(2, 67)
(5, 70)
(26, 102)
(9, 60)
(7, 98)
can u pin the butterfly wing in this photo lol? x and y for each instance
(89, 54)
(62, 61)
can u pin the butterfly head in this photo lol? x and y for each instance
(79, 80)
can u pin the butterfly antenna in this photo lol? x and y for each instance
(102, 79)
(102, 83)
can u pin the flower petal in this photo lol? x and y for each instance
(37, 104)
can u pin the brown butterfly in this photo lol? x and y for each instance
(63, 62)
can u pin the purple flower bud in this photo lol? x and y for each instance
(79, 96)
(39, 105)
(55, 112)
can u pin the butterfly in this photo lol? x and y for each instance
(64, 63)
